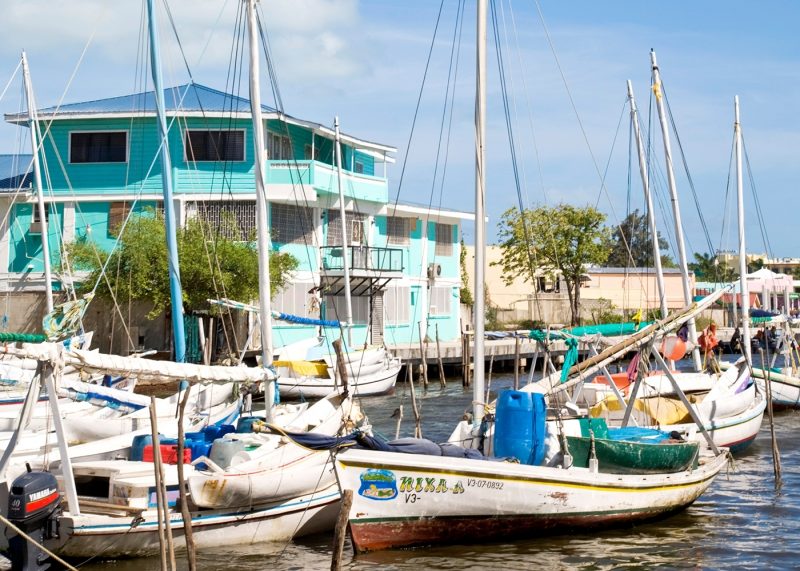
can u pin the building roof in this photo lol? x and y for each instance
(189, 99)
(15, 171)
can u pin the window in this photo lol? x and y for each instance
(214, 146)
(336, 308)
(117, 213)
(233, 219)
(294, 299)
(36, 222)
(397, 230)
(98, 147)
(397, 305)
(444, 239)
(279, 147)
(310, 153)
(355, 222)
(358, 167)
(291, 224)
(440, 300)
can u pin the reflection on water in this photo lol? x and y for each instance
(741, 521)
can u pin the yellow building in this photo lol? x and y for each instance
(614, 289)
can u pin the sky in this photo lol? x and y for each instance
(566, 64)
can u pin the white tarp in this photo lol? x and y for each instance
(142, 369)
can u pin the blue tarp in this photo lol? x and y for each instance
(640, 435)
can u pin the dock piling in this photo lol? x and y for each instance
(341, 530)
(442, 379)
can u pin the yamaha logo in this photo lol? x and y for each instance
(40, 494)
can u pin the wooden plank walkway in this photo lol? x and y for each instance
(452, 352)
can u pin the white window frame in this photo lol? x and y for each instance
(436, 309)
(36, 224)
(396, 313)
(360, 304)
(294, 291)
(187, 159)
(311, 152)
(127, 146)
(282, 136)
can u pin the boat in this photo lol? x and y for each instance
(369, 372)
(268, 466)
(784, 384)
(633, 451)
(405, 500)
(730, 405)
(131, 519)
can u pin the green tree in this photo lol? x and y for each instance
(563, 237)
(755, 265)
(634, 233)
(465, 293)
(211, 265)
(707, 267)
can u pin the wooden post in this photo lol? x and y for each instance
(442, 380)
(341, 530)
(341, 368)
(468, 359)
(464, 361)
(489, 379)
(422, 357)
(201, 333)
(164, 526)
(516, 363)
(410, 379)
(212, 334)
(187, 516)
(399, 421)
(776, 455)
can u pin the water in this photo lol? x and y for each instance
(741, 521)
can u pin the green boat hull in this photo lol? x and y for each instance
(621, 457)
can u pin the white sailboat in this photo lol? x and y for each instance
(784, 381)
(371, 371)
(403, 500)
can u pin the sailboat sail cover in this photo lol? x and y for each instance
(143, 369)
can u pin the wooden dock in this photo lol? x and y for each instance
(452, 352)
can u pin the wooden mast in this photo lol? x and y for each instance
(651, 215)
(480, 223)
(676, 209)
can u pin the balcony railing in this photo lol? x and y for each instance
(364, 258)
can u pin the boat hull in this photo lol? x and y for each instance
(113, 537)
(785, 387)
(279, 468)
(378, 382)
(403, 500)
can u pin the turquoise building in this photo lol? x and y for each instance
(101, 164)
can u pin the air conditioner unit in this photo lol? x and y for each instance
(434, 271)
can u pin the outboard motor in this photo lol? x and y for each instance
(34, 505)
